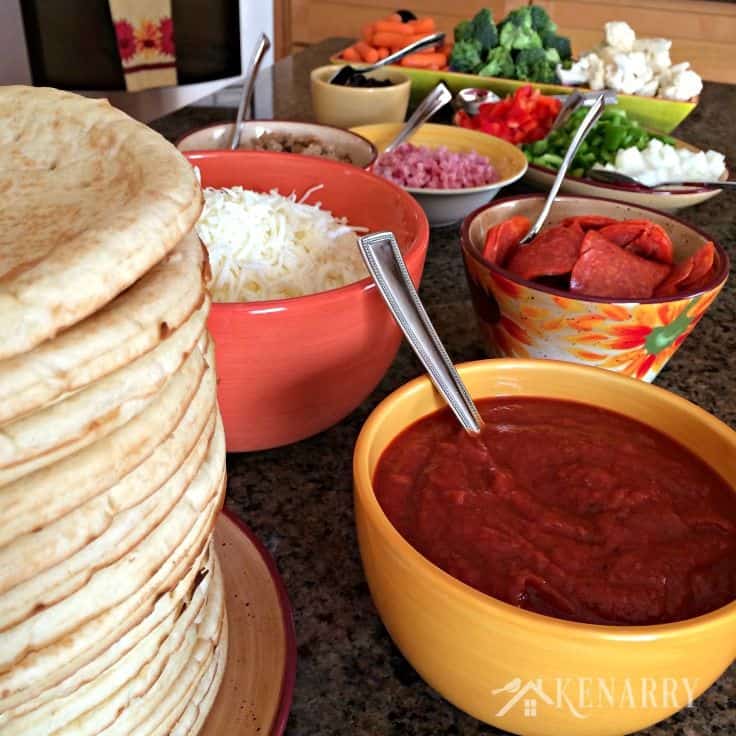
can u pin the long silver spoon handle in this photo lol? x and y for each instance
(262, 46)
(594, 112)
(385, 263)
(726, 184)
(436, 99)
(431, 40)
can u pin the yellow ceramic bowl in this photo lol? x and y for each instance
(346, 107)
(498, 662)
(525, 319)
(447, 206)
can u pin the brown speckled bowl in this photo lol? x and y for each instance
(361, 151)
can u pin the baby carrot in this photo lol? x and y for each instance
(425, 60)
(384, 26)
(423, 25)
(350, 54)
(366, 33)
(382, 53)
(393, 18)
(367, 53)
(390, 40)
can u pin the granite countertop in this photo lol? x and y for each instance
(298, 499)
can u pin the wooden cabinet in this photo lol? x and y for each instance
(703, 31)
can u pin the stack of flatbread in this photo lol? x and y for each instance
(112, 454)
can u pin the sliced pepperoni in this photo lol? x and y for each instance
(589, 222)
(673, 283)
(624, 232)
(552, 253)
(502, 239)
(606, 270)
(692, 274)
(654, 243)
(703, 260)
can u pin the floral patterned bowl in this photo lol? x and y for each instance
(523, 319)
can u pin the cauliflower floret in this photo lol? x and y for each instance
(679, 82)
(629, 72)
(596, 72)
(588, 70)
(620, 35)
(657, 51)
(578, 73)
(650, 88)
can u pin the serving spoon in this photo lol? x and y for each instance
(262, 46)
(385, 263)
(343, 74)
(436, 99)
(594, 112)
(615, 177)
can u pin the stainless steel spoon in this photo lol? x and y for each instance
(594, 112)
(385, 263)
(344, 73)
(263, 45)
(436, 99)
(615, 177)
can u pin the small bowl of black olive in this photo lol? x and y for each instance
(381, 96)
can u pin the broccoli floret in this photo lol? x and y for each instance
(552, 56)
(541, 20)
(466, 56)
(463, 31)
(562, 44)
(484, 30)
(519, 37)
(521, 17)
(532, 65)
(498, 64)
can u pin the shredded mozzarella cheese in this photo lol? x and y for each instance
(267, 246)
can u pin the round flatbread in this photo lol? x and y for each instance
(97, 703)
(129, 326)
(33, 501)
(125, 531)
(193, 718)
(84, 416)
(28, 556)
(164, 614)
(54, 643)
(91, 200)
(161, 704)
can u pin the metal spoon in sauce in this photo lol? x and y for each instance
(594, 112)
(436, 99)
(263, 45)
(343, 74)
(385, 263)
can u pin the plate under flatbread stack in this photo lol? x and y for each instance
(112, 454)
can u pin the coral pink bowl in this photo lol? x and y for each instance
(290, 368)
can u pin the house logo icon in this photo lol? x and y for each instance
(528, 693)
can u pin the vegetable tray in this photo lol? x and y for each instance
(652, 112)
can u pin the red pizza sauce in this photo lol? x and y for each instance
(565, 509)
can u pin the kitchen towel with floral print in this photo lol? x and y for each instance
(145, 34)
